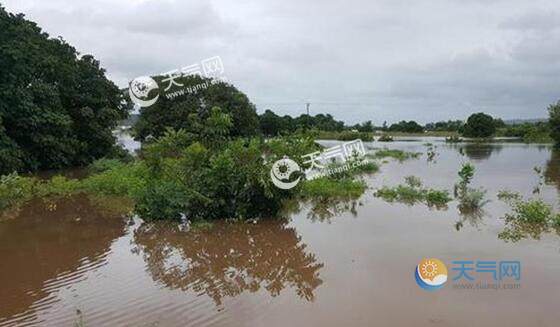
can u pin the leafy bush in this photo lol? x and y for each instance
(385, 138)
(412, 192)
(161, 200)
(508, 196)
(15, 190)
(103, 164)
(529, 218)
(470, 199)
(395, 154)
(437, 198)
(453, 139)
(119, 180)
(330, 188)
(57, 186)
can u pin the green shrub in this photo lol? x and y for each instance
(395, 154)
(103, 164)
(412, 192)
(453, 139)
(119, 180)
(529, 218)
(385, 138)
(471, 200)
(57, 186)
(437, 198)
(330, 188)
(161, 200)
(508, 196)
(15, 190)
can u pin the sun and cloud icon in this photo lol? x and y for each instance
(431, 274)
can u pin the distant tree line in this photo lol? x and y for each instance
(58, 109)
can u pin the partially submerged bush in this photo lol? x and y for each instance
(330, 188)
(453, 139)
(15, 190)
(385, 138)
(508, 196)
(529, 218)
(412, 192)
(471, 200)
(399, 155)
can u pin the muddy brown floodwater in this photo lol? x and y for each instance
(345, 263)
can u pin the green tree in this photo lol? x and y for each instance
(479, 125)
(554, 121)
(176, 112)
(407, 127)
(56, 108)
(270, 123)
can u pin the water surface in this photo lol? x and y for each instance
(342, 263)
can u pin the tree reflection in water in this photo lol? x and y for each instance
(321, 210)
(229, 258)
(552, 170)
(474, 217)
(477, 151)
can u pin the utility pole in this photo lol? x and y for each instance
(307, 107)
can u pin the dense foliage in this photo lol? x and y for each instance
(406, 127)
(554, 122)
(479, 125)
(56, 108)
(272, 125)
(529, 132)
(185, 111)
(445, 126)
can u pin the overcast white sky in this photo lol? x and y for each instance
(356, 59)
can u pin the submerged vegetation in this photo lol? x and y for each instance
(471, 200)
(399, 155)
(202, 174)
(412, 192)
(453, 139)
(385, 138)
(528, 219)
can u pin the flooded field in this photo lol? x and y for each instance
(346, 263)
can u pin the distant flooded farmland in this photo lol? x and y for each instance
(67, 262)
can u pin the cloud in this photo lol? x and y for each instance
(357, 59)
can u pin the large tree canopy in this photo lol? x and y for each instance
(56, 108)
(178, 110)
(479, 125)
